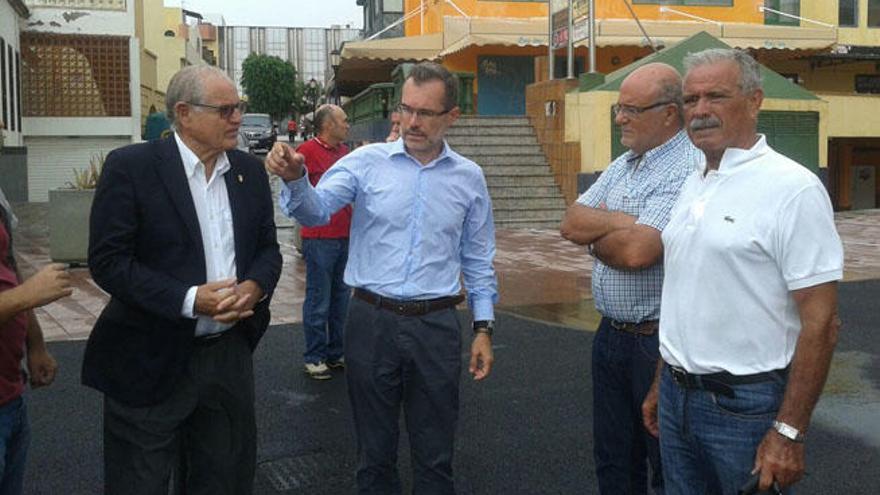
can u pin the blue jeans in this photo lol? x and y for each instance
(15, 435)
(708, 441)
(326, 301)
(623, 369)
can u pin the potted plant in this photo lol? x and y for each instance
(69, 210)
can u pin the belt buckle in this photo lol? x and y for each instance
(678, 375)
(619, 325)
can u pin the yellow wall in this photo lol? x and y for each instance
(852, 116)
(741, 11)
(170, 51)
(826, 11)
(590, 124)
(836, 78)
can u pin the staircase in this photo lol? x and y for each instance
(524, 193)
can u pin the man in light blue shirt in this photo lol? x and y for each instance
(422, 218)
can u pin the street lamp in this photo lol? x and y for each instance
(313, 87)
(335, 60)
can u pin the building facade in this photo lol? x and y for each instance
(381, 14)
(308, 49)
(80, 86)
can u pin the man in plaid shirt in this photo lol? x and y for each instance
(620, 218)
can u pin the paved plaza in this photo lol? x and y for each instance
(541, 276)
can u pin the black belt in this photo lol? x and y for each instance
(722, 382)
(648, 327)
(408, 308)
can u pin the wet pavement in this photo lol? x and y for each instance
(541, 276)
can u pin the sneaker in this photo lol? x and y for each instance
(318, 371)
(336, 364)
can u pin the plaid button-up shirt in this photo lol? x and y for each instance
(645, 187)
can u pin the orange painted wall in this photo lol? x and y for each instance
(740, 11)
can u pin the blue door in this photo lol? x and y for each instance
(501, 84)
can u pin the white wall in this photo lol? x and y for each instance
(81, 21)
(52, 160)
(9, 31)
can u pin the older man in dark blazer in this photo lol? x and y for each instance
(183, 239)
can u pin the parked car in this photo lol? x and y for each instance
(259, 131)
(242, 144)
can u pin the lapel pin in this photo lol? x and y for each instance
(240, 179)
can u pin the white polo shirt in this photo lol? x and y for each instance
(739, 241)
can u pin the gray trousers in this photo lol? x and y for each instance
(210, 416)
(413, 361)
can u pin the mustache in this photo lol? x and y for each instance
(700, 123)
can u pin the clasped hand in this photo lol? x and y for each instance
(226, 301)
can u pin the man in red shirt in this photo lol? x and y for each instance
(325, 250)
(20, 332)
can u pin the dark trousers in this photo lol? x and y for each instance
(326, 301)
(211, 413)
(623, 368)
(413, 361)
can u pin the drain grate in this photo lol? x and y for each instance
(291, 473)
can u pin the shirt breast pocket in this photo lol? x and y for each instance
(631, 206)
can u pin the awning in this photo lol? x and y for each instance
(624, 32)
(424, 47)
(368, 62)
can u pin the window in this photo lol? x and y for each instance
(868, 83)
(873, 13)
(710, 3)
(848, 13)
(792, 7)
(393, 6)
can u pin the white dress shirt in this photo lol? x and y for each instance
(215, 223)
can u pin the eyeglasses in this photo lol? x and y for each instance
(634, 111)
(408, 111)
(225, 111)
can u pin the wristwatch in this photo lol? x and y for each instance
(484, 326)
(788, 431)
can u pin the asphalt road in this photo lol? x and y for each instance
(524, 431)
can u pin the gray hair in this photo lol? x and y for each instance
(322, 115)
(430, 71)
(749, 70)
(188, 86)
(670, 90)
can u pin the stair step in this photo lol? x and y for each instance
(520, 180)
(475, 130)
(472, 151)
(491, 121)
(523, 192)
(555, 203)
(515, 170)
(533, 159)
(527, 224)
(491, 140)
(546, 214)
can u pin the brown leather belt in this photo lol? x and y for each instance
(644, 328)
(408, 308)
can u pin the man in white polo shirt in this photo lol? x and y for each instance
(748, 318)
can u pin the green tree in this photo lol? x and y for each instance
(270, 85)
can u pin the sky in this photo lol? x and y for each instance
(292, 13)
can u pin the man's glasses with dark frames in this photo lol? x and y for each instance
(409, 111)
(633, 111)
(225, 111)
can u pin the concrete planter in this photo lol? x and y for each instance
(14, 173)
(69, 224)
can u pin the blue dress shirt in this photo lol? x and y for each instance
(415, 228)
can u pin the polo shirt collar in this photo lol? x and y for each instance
(734, 158)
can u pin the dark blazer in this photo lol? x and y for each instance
(145, 250)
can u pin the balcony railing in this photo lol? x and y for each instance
(79, 4)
